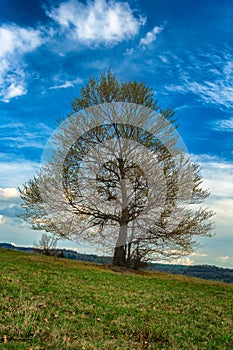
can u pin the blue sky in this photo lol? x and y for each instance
(182, 49)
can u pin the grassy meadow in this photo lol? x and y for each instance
(51, 303)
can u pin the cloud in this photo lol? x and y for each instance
(217, 175)
(207, 76)
(17, 135)
(224, 125)
(10, 206)
(8, 193)
(15, 43)
(199, 254)
(13, 174)
(97, 22)
(183, 261)
(2, 219)
(150, 37)
(130, 51)
(218, 178)
(163, 59)
(14, 91)
(15, 39)
(225, 258)
(67, 84)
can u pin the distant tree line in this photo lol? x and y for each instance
(209, 272)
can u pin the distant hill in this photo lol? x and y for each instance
(208, 272)
(14, 247)
(64, 253)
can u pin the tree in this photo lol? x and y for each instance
(118, 165)
(47, 244)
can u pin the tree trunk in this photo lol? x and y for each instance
(128, 259)
(119, 258)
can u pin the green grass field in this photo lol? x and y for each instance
(49, 303)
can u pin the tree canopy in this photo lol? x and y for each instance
(119, 176)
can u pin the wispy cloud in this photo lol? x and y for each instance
(97, 22)
(150, 37)
(196, 254)
(15, 173)
(224, 125)
(18, 135)
(217, 175)
(67, 84)
(163, 58)
(207, 76)
(218, 178)
(15, 43)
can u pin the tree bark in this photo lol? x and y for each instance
(128, 258)
(119, 258)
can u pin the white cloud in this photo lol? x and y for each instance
(217, 175)
(225, 258)
(129, 51)
(97, 22)
(14, 174)
(67, 84)
(183, 261)
(218, 178)
(15, 43)
(12, 81)
(163, 59)
(18, 135)
(199, 254)
(150, 36)
(8, 193)
(224, 125)
(14, 91)
(11, 125)
(216, 92)
(208, 76)
(15, 39)
(223, 218)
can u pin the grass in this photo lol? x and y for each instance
(49, 303)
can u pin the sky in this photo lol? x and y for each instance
(182, 49)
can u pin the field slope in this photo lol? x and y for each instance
(49, 303)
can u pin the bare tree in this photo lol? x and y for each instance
(47, 244)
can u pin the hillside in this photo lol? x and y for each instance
(50, 303)
(201, 271)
